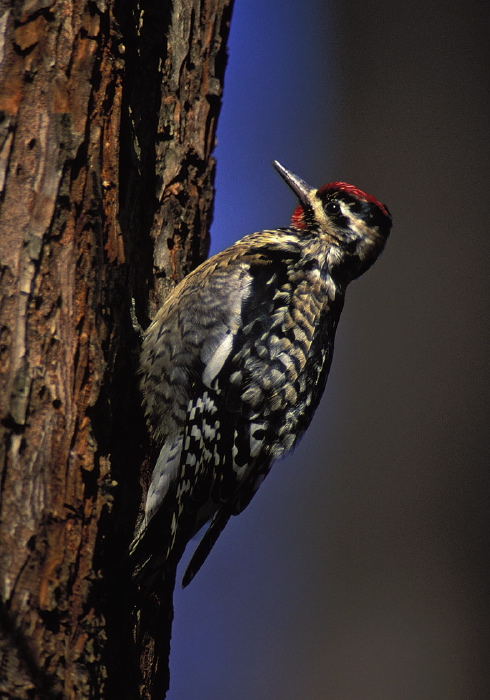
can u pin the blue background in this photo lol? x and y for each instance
(358, 571)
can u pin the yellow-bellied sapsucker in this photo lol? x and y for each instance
(236, 361)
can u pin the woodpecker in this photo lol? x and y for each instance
(236, 361)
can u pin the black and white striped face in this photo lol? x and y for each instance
(352, 210)
(343, 215)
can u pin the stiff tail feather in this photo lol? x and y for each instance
(205, 546)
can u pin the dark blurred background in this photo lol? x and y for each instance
(360, 570)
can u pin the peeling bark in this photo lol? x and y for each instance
(107, 122)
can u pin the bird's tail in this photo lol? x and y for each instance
(149, 557)
(204, 547)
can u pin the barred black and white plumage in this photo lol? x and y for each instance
(236, 361)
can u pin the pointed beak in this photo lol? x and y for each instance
(300, 188)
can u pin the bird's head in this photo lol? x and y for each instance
(345, 216)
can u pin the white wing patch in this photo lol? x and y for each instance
(217, 359)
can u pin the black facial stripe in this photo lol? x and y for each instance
(364, 210)
(341, 221)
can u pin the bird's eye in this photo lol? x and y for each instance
(332, 208)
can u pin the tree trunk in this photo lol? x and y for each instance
(107, 121)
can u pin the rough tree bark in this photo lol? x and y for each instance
(108, 113)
